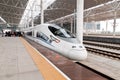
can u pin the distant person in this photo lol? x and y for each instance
(6, 33)
(2, 33)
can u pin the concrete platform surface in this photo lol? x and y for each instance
(15, 62)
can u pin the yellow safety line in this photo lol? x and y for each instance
(48, 71)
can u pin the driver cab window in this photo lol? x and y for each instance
(52, 29)
(61, 32)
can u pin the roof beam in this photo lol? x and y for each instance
(11, 18)
(23, 8)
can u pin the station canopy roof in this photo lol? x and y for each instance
(12, 10)
(106, 11)
(61, 8)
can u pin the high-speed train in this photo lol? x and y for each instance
(57, 39)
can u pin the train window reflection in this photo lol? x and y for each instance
(61, 32)
(42, 36)
(29, 33)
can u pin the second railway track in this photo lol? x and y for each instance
(104, 45)
(101, 51)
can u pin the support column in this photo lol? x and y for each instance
(32, 23)
(61, 23)
(74, 30)
(28, 23)
(95, 27)
(114, 23)
(71, 25)
(42, 12)
(74, 25)
(80, 8)
(106, 26)
(86, 26)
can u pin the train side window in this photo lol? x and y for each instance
(42, 36)
(29, 33)
(38, 34)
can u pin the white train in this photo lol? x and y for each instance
(57, 39)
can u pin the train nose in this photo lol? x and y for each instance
(78, 54)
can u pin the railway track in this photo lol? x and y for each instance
(104, 45)
(103, 51)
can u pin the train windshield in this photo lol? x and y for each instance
(61, 32)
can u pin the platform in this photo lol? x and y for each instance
(16, 62)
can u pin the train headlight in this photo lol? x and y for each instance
(77, 46)
(73, 46)
(80, 47)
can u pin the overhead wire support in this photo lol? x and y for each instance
(115, 7)
(42, 12)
